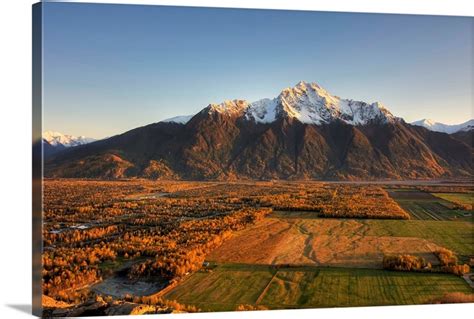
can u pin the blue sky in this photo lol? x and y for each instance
(111, 68)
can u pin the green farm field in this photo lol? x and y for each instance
(231, 285)
(434, 206)
(458, 198)
(454, 235)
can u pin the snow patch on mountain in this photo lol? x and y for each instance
(58, 139)
(181, 119)
(262, 111)
(445, 128)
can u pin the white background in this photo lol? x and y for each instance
(15, 153)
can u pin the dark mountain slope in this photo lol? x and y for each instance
(213, 146)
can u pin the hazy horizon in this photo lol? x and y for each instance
(111, 68)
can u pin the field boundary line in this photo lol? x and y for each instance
(413, 213)
(433, 216)
(467, 278)
(264, 291)
(165, 290)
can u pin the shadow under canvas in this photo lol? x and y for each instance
(22, 308)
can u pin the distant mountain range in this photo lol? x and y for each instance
(303, 133)
(54, 142)
(445, 128)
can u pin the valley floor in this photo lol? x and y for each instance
(214, 246)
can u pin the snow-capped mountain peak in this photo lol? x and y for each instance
(229, 106)
(57, 139)
(307, 102)
(310, 103)
(311, 92)
(445, 128)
